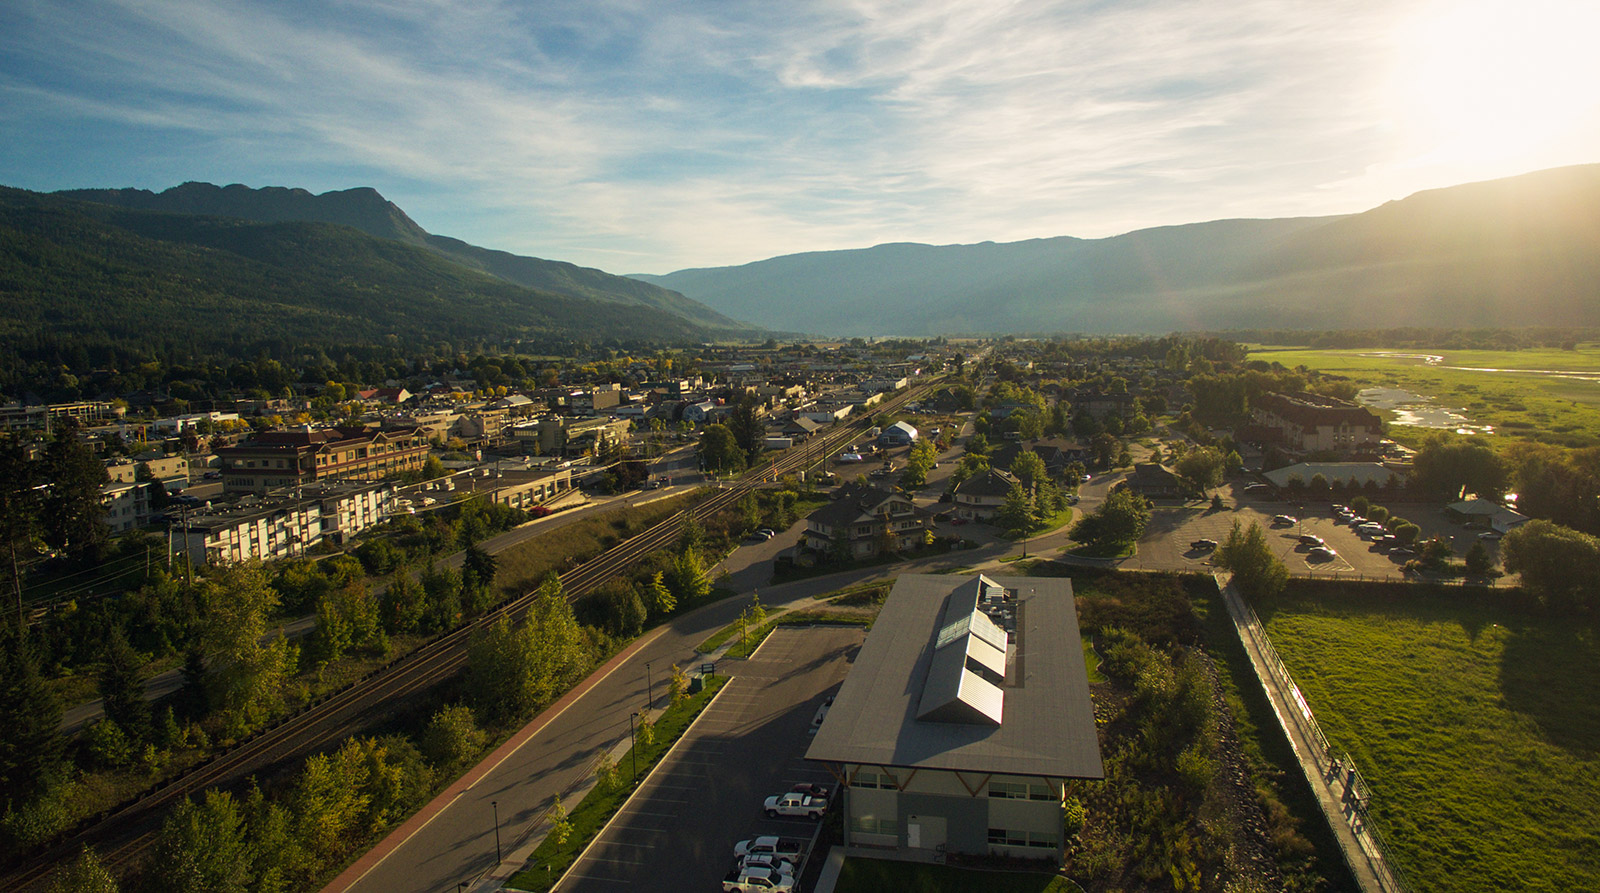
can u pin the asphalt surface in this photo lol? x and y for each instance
(677, 833)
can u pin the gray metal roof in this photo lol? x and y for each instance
(1047, 726)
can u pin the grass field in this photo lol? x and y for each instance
(1476, 726)
(877, 875)
(1519, 404)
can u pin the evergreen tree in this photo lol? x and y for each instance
(19, 512)
(30, 715)
(73, 515)
(122, 689)
(658, 598)
(1016, 515)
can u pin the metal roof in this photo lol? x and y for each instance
(901, 706)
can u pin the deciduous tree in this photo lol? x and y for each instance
(1256, 570)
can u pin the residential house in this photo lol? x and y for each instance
(863, 515)
(1153, 481)
(980, 496)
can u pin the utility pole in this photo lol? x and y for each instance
(495, 805)
(633, 748)
(649, 689)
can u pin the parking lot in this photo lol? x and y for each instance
(678, 831)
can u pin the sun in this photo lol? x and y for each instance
(1497, 80)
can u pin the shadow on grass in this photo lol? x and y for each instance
(1549, 673)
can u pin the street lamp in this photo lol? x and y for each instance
(649, 688)
(633, 747)
(495, 805)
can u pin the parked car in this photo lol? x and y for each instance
(816, 723)
(1203, 545)
(755, 878)
(1322, 553)
(1258, 485)
(1490, 536)
(1284, 520)
(788, 848)
(797, 805)
(1310, 539)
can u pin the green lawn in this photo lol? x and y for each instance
(1476, 726)
(879, 875)
(1519, 404)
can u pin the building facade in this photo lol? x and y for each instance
(278, 459)
(1313, 423)
(866, 518)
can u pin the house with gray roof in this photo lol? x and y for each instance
(862, 514)
(964, 715)
(980, 496)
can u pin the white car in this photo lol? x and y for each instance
(787, 848)
(753, 879)
(794, 804)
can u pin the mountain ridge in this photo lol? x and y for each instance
(365, 209)
(1509, 252)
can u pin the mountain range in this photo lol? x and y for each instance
(1513, 252)
(364, 209)
(81, 279)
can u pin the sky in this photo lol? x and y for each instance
(651, 137)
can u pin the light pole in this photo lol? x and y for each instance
(495, 805)
(633, 747)
(649, 688)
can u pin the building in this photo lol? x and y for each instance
(980, 496)
(898, 434)
(864, 515)
(1350, 475)
(1154, 481)
(254, 529)
(127, 505)
(278, 459)
(964, 714)
(21, 417)
(348, 508)
(1313, 423)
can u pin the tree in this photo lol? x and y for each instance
(1450, 467)
(441, 587)
(1478, 561)
(1015, 516)
(122, 688)
(1256, 570)
(245, 679)
(720, 451)
(919, 461)
(744, 423)
(687, 577)
(1119, 521)
(452, 738)
(202, 847)
(477, 580)
(658, 598)
(679, 684)
(73, 515)
(84, 874)
(404, 606)
(30, 715)
(1556, 563)
(19, 510)
(1028, 468)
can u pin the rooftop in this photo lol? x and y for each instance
(930, 688)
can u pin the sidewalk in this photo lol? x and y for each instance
(1328, 780)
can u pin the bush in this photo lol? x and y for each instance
(452, 737)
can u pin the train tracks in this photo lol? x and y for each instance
(124, 833)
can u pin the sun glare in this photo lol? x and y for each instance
(1497, 80)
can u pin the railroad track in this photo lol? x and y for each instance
(121, 835)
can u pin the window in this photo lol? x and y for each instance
(1036, 839)
(1008, 790)
(873, 825)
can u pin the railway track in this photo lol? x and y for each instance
(124, 833)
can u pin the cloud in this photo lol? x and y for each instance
(662, 137)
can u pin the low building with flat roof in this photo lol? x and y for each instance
(964, 714)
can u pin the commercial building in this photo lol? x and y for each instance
(964, 715)
(1314, 423)
(261, 529)
(277, 459)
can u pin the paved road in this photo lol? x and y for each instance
(676, 834)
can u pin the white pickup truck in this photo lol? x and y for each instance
(795, 804)
(785, 848)
(751, 879)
